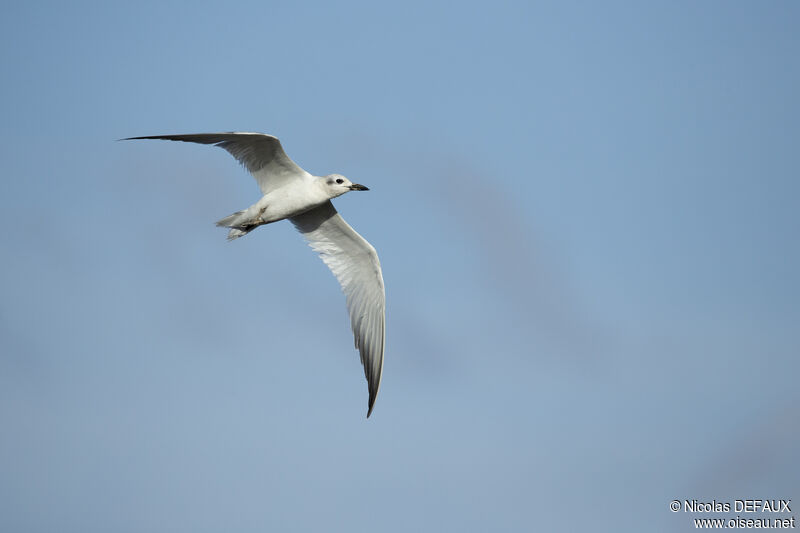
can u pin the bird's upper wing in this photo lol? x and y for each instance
(355, 264)
(261, 154)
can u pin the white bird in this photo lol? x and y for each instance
(291, 192)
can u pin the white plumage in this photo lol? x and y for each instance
(289, 192)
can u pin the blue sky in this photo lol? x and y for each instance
(587, 216)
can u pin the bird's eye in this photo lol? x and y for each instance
(340, 181)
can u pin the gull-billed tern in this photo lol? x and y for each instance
(289, 192)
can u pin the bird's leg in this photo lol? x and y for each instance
(255, 221)
(259, 219)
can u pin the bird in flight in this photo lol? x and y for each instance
(289, 192)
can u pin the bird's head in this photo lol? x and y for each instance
(337, 185)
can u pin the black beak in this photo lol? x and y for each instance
(357, 187)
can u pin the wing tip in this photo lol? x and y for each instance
(374, 386)
(146, 137)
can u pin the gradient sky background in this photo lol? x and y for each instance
(587, 215)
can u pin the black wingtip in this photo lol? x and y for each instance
(136, 138)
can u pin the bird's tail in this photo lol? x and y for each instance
(237, 224)
(235, 233)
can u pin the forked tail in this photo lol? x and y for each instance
(239, 227)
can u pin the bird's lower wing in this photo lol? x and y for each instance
(355, 264)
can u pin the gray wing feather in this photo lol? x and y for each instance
(260, 154)
(355, 264)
